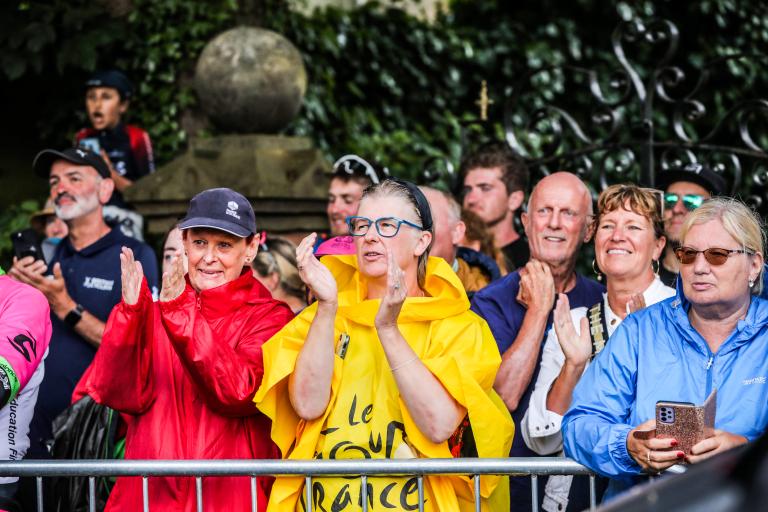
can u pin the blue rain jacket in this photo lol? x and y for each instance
(655, 354)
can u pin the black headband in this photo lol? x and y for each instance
(422, 205)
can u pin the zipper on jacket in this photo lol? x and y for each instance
(709, 374)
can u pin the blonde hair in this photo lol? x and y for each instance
(738, 220)
(279, 255)
(642, 201)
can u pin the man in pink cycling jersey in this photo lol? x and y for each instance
(25, 331)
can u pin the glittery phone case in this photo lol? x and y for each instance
(685, 422)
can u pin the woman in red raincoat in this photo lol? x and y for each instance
(185, 369)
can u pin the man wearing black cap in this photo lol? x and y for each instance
(685, 188)
(82, 282)
(126, 148)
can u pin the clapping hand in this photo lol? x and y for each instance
(537, 287)
(397, 291)
(315, 275)
(173, 281)
(577, 348)
(132, 275)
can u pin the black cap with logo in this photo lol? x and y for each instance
(78, 156)
(694, 173)
(223, 209)
(114, 79)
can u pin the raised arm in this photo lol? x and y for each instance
(435, 412)
(120, 375)
(309, 385)
(518, 362)
(576, 346)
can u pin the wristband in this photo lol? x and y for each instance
(74, 316)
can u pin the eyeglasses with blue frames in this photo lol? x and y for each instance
(385, 226)
(690, 201)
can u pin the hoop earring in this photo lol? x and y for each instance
(655, 266)
(596, 270)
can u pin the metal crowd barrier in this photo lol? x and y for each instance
(521, 466)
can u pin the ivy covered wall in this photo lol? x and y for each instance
(381, 83)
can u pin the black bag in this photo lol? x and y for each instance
(85, 430)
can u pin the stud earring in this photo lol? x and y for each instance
(751, 283)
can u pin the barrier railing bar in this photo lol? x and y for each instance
(520, 466)
(199, 493)
(91, 494)
(421, 493)
(145, 492)
(364, 491)
(254, 495)
(592, 494)
(534, 493)
(308, 493)
(476, 479)
(39, 490)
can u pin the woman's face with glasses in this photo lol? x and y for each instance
(387, 223)
(688, 196)
(714, 277)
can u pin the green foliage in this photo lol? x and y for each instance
(156, 44)
(381, 83)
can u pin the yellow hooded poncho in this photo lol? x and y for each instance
(366, 418)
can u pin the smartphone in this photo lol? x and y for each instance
(27, 243)
(685, 422)
(91, 144)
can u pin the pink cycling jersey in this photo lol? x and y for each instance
(25, 332)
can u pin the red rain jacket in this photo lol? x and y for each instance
(185, 372)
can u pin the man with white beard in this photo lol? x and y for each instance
(82, 282)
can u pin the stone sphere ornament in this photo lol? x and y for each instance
(250, 80)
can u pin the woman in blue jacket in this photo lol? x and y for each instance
(713, 335)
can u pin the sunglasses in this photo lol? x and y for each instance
(690, 201)
(713, 255)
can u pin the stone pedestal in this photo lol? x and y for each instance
(285, 178)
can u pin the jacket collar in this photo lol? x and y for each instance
(445, 293)
(755, 319)
(220, 301)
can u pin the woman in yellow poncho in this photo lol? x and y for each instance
(386, 364)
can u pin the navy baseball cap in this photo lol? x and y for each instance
(78, 156)
(695, 173)
(111, 78)
(223, 209)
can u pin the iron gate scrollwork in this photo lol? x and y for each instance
(646, 113)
